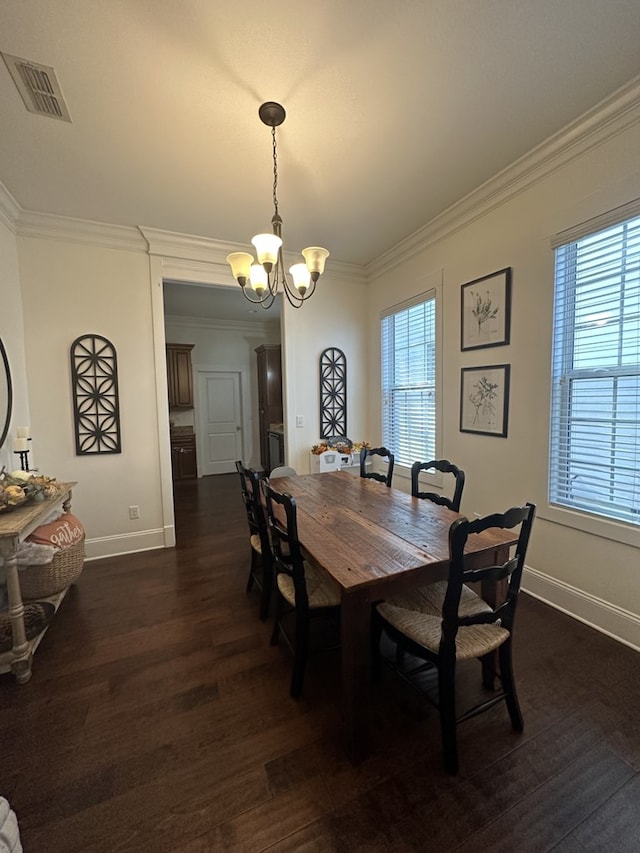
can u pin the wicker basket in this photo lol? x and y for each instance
(53, 577)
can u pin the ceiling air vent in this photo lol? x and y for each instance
(38, 87)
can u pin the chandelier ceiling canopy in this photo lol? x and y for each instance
(267, 277)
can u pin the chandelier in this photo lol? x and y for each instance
(267, 277)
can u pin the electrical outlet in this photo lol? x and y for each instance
(299, 420)
(134, 512)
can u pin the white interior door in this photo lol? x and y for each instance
(220, 421)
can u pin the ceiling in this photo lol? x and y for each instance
(395, 110)
(223, 304)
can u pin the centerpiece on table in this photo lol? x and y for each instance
(20, 487)
(323, 446)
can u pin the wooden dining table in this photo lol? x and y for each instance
(374, 541)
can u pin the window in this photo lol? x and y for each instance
(409, 379)
(595, 411)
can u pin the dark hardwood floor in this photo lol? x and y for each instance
(158, 719)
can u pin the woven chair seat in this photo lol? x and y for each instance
(321, 590)
(424, 627)
(429, 599)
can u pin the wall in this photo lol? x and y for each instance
(592, 573)
(69, 289)
(331, 318)
(226, 348)
(11, 332)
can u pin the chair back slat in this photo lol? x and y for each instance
(491, 573)
(383, 453)
(445, 467)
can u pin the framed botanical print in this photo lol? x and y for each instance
(484, 399)
(486, 311)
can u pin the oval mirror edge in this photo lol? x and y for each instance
(4, 428)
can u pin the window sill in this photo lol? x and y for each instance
(605, 528)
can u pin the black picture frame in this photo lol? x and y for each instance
(485, 311)
(484, 399)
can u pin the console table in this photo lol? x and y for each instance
(14, 528)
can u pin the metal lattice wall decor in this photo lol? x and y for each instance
(96, 409)
(333, 393)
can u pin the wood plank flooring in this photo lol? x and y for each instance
(158, 719)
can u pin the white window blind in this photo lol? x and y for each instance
(595, 412)
(409, 380)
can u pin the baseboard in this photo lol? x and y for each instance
(125, 543)
(621, 625)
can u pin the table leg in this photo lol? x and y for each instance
(21, 664)
(355, 627)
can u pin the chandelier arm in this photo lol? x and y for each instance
(267, 297)
(310, 289)
(268, 301)
(294, 299)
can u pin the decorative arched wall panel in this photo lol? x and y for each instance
(333, 393)
(96, 407)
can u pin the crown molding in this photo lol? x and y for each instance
(609, 118)
(49, 226)
(184, 253)
(186, 247)
(9, 208)
(258, 328)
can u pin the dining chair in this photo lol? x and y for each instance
(260, 568)
(301, 587)
(460, 625)
(283, 471)
(446, 467)
(383, 453)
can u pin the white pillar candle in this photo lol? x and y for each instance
(20, 444)
(23, 432)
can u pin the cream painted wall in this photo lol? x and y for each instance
(232, 349)
(11, 332)
(501, 472)
(331, 318)
(71, 289)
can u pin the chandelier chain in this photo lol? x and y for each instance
(275, 169)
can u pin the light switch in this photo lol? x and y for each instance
(299, 420)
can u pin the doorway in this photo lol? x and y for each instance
(220, 432)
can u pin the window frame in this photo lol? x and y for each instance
(593, 520)
(432, 291)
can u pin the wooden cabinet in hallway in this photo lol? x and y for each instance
(269, 396)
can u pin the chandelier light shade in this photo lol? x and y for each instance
(262, 281)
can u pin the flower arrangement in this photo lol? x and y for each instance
(355, 447)
(20, 487)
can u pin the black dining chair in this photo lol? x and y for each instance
(260, 568)
(445, 467)
(301, 588)
(383, 453)
(460, 625)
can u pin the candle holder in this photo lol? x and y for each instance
(24, 459)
